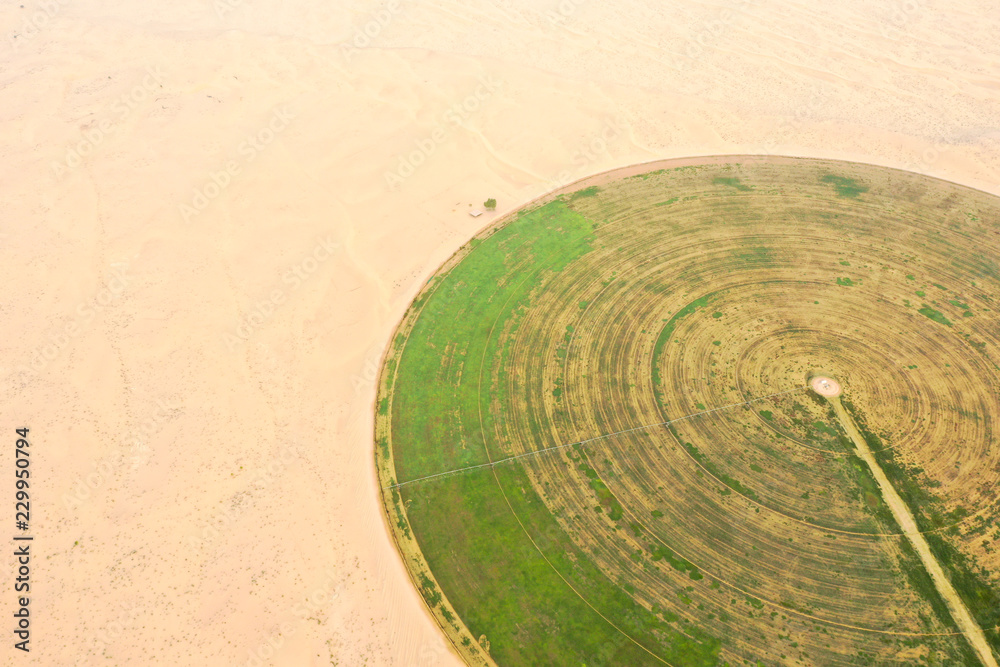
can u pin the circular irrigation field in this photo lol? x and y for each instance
(597, 444)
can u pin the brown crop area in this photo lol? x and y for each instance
(619, 377)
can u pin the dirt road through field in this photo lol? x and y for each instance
(904, 518)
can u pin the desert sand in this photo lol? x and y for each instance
(214, 213)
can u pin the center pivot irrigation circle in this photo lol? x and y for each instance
(604, 431)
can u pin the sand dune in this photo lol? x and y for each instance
(214, 213)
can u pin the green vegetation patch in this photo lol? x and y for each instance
(585, 192)
(732, 183)
(505, 588)
(845, 187)
(435, 372)
(662, 552)
(604, 495)
(935, 315)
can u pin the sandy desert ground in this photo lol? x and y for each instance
(213, 213)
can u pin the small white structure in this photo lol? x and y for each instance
(475, 213)
(825, 386)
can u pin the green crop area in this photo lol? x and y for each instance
(596, 445)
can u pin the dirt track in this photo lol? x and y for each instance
(904, 518)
